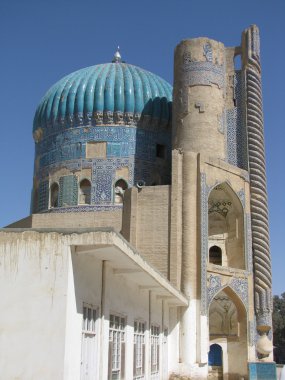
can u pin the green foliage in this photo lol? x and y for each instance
(278, 319)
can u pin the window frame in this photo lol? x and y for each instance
(117, 341)
(139, 349)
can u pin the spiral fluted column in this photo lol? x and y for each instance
(256, 156)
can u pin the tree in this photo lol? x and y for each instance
(278, 319)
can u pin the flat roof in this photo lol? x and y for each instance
(105, 243)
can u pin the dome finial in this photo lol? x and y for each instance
(117, 56)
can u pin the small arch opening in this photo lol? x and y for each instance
(54, 195)
(237, 62)
(85, 192)
(120, 187)
(215, 255)
(215, 356)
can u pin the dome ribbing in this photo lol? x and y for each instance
(111, 93)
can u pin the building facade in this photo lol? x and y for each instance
(146, 254)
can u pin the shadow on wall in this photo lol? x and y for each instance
(153, 143)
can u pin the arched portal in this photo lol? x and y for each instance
(226, 227)
(228, 329)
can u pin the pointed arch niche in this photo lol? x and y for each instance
(228, 328)
(225, 228)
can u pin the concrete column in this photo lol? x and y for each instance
(190, 274)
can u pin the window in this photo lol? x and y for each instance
(154, 353)
(88, 344)
(160, 151)
(54, 192)
(139, 350)
(215, 255)
(85, 192)
(116, 347)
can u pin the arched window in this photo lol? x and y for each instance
(120, 187)
(215, 255)
(85, 192)
(54, 192)
(215, 357)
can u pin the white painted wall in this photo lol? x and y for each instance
(33, 279)
(84, 286)
(43, 286)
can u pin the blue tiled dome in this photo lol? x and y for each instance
(111, 93)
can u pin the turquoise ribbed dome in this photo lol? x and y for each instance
(111, 93)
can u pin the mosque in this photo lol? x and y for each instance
(146, 254)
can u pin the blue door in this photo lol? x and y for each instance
(215, 355)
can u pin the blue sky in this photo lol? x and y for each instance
(41, 41)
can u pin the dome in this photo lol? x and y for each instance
(110, 93)
(97, 132)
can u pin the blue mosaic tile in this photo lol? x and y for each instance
(43, 195)
(85, 208)
(236, 130)
(127, 146)
(203, 73)
(121, 142)
(68, 191)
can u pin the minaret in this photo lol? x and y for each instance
(198, 113)
(256, 159)
(219, 198)
(199, 97)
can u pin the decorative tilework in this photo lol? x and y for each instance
(43, 195)
(127, 146)
(236, 131)
(252, 332)
(240, 286)
(121, 142)
(68, 191)
(204, 243)
(221, 206)
(241, 196)
(248, 242)
(70, 144)
(215, 284)
(103, 176)
(85, 208)
(208, 52)
(72, 165)
(203, 73)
